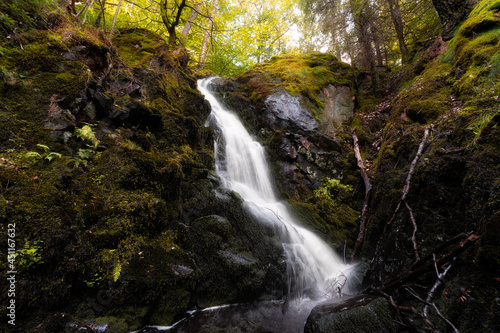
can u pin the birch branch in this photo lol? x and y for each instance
(415, 228)
(421, 266)
(368, 188)
(406, 187)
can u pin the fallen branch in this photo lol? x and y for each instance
(406, 187)
(368, 188)
(430, 296)
(439, 281)
(413, 164)
(414, 235)
(421, 266)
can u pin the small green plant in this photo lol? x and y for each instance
(116, 271)
(98, 180)
(86, 133)
(30, 255)
(94, 281)
(477, 127)
(332, 187)
(33, 156)
(83, 156)
(49, 155)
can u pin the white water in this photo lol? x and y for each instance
(313, 268)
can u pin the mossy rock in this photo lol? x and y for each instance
(138, 47)
(352, 314)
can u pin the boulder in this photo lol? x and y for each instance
(339, 108)
(286, 112)
(352, 314)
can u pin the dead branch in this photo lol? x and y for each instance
(406, 187)
(430, 296)
(421, 266)
(415, 228)
(413, 164)
(368, 188)
(439, 281)
(426, 319)
(400, 309)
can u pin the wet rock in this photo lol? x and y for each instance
(237, 260)
(339, 107)
(286, 112)
(58, 120)
(128, 112)
(353, 314)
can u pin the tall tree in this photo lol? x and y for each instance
(397, 21)
(114, 19)
(206, 37)
(101, 15)
(452, 13)
(171, 14)
(189, 23)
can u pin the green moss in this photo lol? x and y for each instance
(366, 101)
(330, 215)
(304, 75)
(481, 19)
(138, 47)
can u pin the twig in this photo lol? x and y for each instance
(430, 296)
(414, 235)
(424, 317)
(406, 187)
(368, 188)
(444, 318)
(432, 292)
(420, 150)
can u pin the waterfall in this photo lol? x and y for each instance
(313, 268)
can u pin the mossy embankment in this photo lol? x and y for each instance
(105, 173)
(454, 188)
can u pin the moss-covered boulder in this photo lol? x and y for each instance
(351, 314)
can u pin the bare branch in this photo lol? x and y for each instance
(368, 188)
(415, 228)
(406, 187)
(421, 266)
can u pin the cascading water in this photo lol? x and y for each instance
(313, 268)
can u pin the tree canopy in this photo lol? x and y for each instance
(229, 36)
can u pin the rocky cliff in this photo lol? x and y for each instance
(107, 183)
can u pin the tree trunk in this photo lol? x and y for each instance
(452, 13)
(114, 20)
(362, 21)
(172, 35)
(167, 19)
(97, 22)
(206, 37)
(378, 52)
(189, 24)
(397, 21)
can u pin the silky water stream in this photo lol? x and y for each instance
(315, 272)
